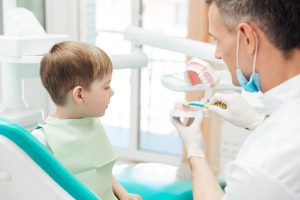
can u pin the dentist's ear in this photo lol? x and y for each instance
(248, 37)
(77, 94)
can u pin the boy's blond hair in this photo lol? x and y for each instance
(70, 64)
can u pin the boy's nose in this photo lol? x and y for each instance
(112, 93)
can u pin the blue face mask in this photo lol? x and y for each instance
(251, 85)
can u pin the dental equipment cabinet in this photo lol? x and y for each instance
(20, 58)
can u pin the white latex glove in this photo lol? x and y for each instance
(191, 134)
(238, 111)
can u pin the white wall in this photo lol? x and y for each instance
(62, 17)
(35, 95)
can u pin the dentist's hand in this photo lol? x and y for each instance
(238, 111)
(191, 134)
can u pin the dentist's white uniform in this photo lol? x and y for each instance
(268, 165)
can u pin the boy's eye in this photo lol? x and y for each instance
(107, 87)
(213, 40)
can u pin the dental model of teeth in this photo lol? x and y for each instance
(197, 72)
(182, 110)
(200, 72)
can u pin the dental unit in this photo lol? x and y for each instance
(48, 178)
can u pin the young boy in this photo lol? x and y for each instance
(77, 76)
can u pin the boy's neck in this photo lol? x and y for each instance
(63, 112)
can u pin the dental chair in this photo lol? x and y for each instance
(29, 171)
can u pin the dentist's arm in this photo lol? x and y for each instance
(238, 111)
(205, 186)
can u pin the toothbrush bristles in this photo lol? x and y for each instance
(185, 104)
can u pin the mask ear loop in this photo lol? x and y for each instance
(255, 54)
(237, 50)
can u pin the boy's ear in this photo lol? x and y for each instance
(78, 94)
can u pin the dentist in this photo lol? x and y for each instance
(259, 40)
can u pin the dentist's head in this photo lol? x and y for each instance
(259, 47)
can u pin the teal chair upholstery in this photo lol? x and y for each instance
(153, 184)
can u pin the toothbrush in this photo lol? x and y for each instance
(197, 104)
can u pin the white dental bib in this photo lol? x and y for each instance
(83, 147)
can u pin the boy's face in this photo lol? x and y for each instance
(97, 98)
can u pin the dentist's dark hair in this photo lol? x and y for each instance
(278, 19)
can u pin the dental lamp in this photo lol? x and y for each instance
(192, 48)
